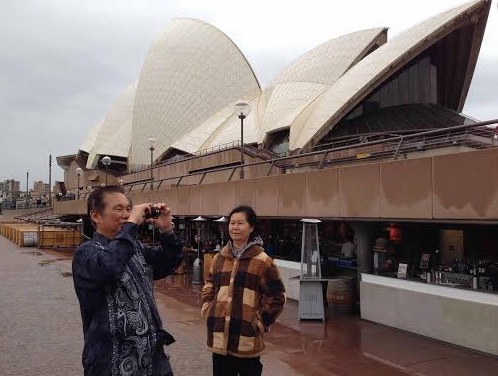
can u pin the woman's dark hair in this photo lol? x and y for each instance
(96, 198)
(251, 218)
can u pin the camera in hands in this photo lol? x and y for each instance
(155, 212)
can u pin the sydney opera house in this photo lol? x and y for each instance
(364, 132)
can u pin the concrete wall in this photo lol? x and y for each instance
(462, 317)
(289, 270)
(443, 187)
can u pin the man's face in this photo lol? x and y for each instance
(116, 211)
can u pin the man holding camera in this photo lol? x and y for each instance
(113, 277)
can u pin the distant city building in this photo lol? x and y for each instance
(9, 191)
(11, 186)
(40, 189)
(11, 195)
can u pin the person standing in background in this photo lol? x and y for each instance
(348, 249)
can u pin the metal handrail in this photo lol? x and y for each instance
(30, 217)
(474, 135)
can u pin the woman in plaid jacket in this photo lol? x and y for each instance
(242, 297)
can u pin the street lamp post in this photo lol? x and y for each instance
(242, 109)
(106, 161)
(78, 173)
(152, 144)
(27, 191)
(197, 267)
(222, 222)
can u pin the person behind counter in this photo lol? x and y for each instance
(348, 249)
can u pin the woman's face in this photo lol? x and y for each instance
(239, 229)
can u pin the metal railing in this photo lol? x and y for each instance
(385, 147)
(35, 216)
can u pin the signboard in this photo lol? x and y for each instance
(402, 268)
(424, 260)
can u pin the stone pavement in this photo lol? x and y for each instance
(40, 327)
(40, 323)
(40, 331)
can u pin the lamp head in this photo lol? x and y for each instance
(241, 109)
(152, 143)
(199, 221)
(106, 161)
(79, 170)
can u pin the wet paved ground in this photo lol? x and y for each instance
(40, 331)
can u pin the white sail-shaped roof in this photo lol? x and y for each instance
(221, 129)
(194, 74)
(91, 137)
(328, 61)
(370, 72)
(286, 102)
(191, 73)
(313, 73)
(194, 140)
(114, 135)
(229, 131)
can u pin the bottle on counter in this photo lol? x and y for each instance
(475, 282)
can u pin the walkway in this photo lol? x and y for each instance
(40, 331)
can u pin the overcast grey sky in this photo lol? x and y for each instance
(63, 63)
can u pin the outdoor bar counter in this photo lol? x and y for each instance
(463, 317)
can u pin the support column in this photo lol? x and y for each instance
(364, 232)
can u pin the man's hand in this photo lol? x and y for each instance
(165, 221)
(137, 214)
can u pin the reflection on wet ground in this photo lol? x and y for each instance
(349, 346)
(340, 346)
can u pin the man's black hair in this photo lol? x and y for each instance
(96, 199)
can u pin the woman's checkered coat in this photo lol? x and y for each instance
(241, 299)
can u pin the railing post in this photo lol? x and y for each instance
(322, 162)
(397, 149)
(231, 174)
(271, 166)
(202, 178)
